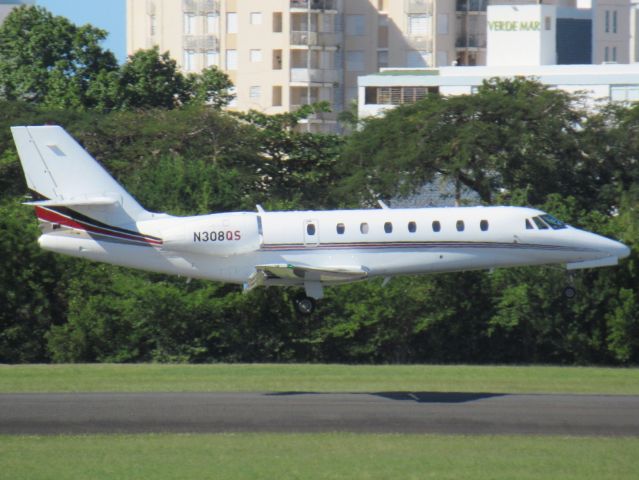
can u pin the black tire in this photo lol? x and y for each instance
(304, 305)
(570, 292)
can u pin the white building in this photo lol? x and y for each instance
(392, 87)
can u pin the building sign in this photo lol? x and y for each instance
(514, 26)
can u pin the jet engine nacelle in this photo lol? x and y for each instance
(222, 235)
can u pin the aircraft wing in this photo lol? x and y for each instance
(296, 274)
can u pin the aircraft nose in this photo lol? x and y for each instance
(617, 249)
(621, 250)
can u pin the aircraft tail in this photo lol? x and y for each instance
(63, 177)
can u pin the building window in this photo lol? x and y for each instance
(277, 22)
(189, 24)
(153, 24)
(277, 59)
(355, 61)
(382, 59)
(396, 95)
(212, 58)
(189, 60)
(460, 225)
(231, 59)
(624, 93)
(341, 228)
(436, 226)
(442, 24)
(363, 227)
(419, 25)
(614, 54)
(255, 55)
(607, 22)
(277, 96)
(256, 18)
(412, 227)
(483, 225)
(614, 21)
(388, 227)
(548, 23)
(606, 54)
(254, 93)
(213, 24)
(355, 25)
(231, 22)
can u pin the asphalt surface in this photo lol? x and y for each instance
(452, 413)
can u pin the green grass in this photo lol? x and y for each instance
(317, 456)
(316, 378)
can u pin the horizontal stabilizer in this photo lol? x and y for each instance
(74, 202)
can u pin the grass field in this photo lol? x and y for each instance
(316, 378)
(317, 456)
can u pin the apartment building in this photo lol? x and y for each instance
(7, 5)
(281, 54)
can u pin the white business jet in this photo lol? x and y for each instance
(85, 213)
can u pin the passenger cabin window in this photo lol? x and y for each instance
(341, 228)
(540, 223)
(460, 225)
(388, 227)
(483, 225)
(412, 227)
(529, 225)
(310, 229)
(363, 228)
(436, 226)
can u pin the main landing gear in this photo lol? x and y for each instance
(305, 302)
(304, 305)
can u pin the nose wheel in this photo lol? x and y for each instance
(304, 305)
(570, 291)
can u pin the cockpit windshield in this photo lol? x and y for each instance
(554, 223)
(541, 225)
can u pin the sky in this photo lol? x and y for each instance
(109, 15)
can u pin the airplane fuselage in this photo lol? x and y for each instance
(382, 242)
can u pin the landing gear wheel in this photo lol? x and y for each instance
(570, 292)
(304, 305)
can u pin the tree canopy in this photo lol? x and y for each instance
(47, 60)
(165, 136)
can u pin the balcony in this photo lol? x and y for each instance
(471, 41)
(471, 5)
(315, 39)
(418, 6)
(200, 7)
(422, 43)
(201, 43)
(314, 75)
(314, 4)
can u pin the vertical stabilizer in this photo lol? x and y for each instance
(63, 173)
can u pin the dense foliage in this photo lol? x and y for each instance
(514, 142)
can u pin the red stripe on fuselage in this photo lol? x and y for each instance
(55, 217)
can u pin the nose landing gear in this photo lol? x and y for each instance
(570, 291)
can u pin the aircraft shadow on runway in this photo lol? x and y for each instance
(417, 397)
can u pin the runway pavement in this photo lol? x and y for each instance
(453, 413)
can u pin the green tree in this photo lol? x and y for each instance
(46, 59)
